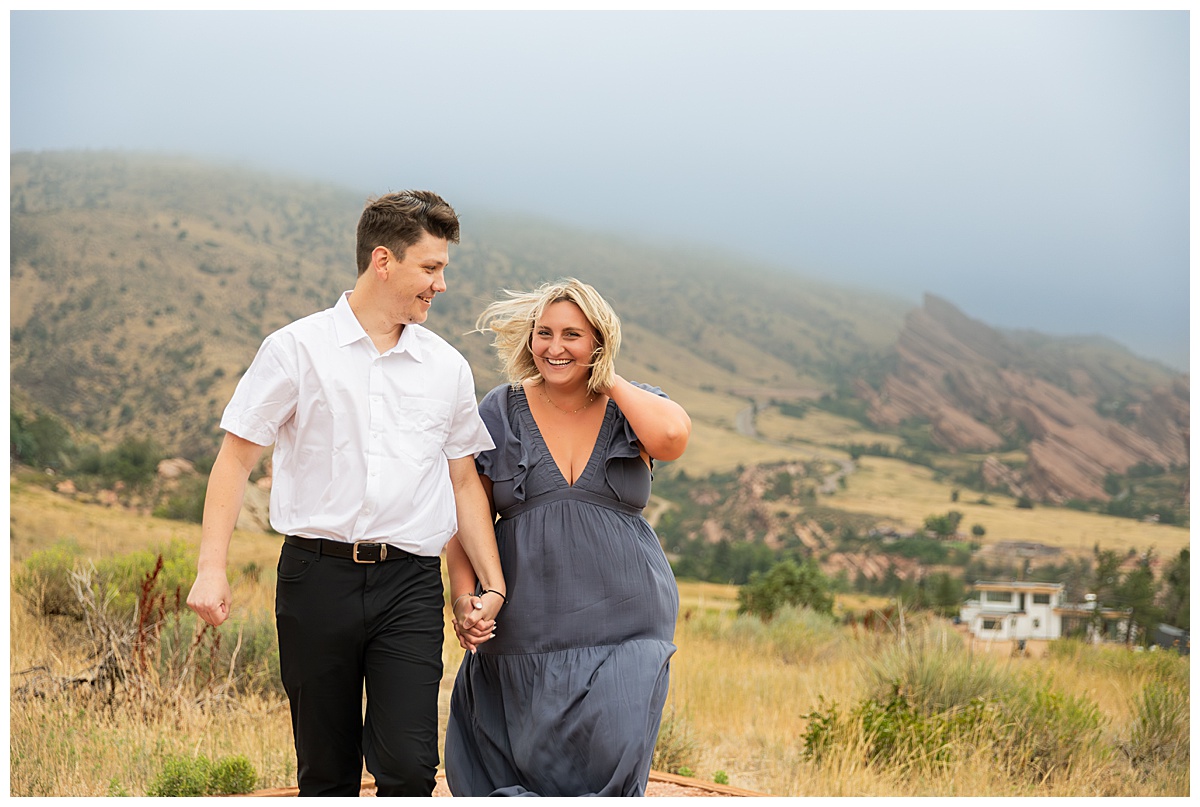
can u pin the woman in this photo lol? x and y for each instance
(565, 698)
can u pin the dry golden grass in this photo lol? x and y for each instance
(74, 745)
(744, 695)
(746, 701)
(820, 428)
(39, 517)
(892, 489)
(713, 449)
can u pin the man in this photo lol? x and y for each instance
(375, 428)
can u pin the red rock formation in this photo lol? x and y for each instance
(980, 389)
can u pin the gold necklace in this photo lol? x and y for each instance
(546, 395)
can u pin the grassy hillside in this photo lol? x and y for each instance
(141, 287)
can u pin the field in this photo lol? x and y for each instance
(907, 493)
(744, 695)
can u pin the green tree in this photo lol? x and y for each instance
(43, 442)
(786, 583)
(1105, 580)
(1176, 582)
(944, 526)
(1138, 592)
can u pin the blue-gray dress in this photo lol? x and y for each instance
(566, 699)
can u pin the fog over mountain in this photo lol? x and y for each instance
(1030, 167)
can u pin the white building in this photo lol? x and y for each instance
(1019, 611)
(1014, 611)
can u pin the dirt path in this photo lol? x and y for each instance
(829, 485)
(661, 785)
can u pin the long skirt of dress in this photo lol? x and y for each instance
(566, 700)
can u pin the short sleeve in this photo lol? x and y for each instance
(468, 433)
(510, 460)
(266, 395)
(496, 463)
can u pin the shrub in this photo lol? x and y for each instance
(232, 775)
(43, 442)
(932, 704)
(186, 503)
(935, 673)
(182, 776)
(676, 744)
(197, 776)
(1162, 728)
(44, 580)
(1048, 731)
(893, 732)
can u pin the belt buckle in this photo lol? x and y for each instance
(382, 551)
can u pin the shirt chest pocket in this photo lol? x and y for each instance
(421, 428)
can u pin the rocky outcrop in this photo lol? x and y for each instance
(1078, 417)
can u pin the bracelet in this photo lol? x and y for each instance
(454, 604)
(497, 593)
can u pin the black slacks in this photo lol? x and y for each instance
(342, 623)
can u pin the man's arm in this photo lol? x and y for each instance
(210, 594)
(477, 537)
(463, 600)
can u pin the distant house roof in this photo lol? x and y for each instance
(1018, 585)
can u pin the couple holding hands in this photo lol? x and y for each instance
(560, 590)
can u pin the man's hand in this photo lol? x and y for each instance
(472, 625)
(210, 597)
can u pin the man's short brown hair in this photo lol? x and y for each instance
(399, 220)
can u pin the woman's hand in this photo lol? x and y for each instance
(471, 625)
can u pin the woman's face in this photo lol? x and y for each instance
(563, 342)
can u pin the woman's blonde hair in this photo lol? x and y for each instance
(512, 321)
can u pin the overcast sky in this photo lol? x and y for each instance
(1031, 167)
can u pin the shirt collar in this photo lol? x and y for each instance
(350, 330)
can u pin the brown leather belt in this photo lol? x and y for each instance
(359, 551)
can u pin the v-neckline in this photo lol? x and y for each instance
(546, 446)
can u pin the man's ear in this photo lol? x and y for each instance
(379, 261)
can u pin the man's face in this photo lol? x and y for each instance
(414, 280)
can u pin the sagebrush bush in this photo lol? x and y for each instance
(931, 703)
(181, 776)
(197, 776)
(932, 669)
(232, 775)
(1162, 728)
(676, 746)
(1048, 731)
(44, 579)
(895, 733)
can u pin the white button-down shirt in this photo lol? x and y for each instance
(361, 438)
